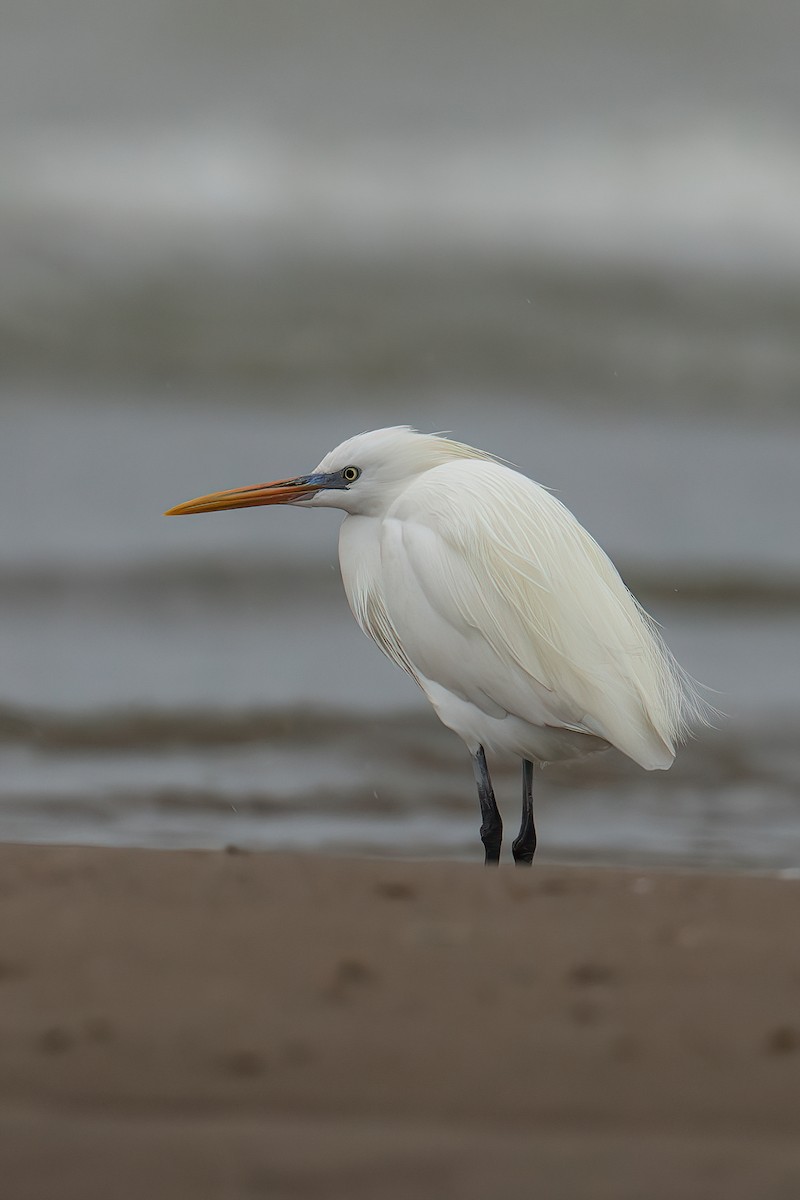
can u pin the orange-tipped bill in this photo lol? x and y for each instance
(281, 491)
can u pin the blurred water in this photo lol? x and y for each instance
(593, 197)
(229, 238)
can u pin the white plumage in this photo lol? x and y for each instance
(486, 589)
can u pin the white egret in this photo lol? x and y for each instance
(485, 589)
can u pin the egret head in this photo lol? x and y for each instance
(361, 476)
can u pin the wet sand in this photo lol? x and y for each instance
(191, 1025)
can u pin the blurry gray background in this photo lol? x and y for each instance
(232, 234)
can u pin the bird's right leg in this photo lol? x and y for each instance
(491, 821)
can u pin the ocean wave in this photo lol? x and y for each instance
(208, 582)
(711, 193)
(137, 729)
(412, 737)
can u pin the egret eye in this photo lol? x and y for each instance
(350, 474)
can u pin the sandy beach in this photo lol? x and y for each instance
(245, 1025)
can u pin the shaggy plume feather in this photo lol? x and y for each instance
(547, 597)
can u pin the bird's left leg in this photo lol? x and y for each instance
(524, 844)
(491, 821)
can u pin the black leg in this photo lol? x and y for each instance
(524, 844)
(491, 821)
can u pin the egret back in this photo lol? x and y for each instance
(511, 564)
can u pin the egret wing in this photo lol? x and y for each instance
(454, 633)
(482, 563)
